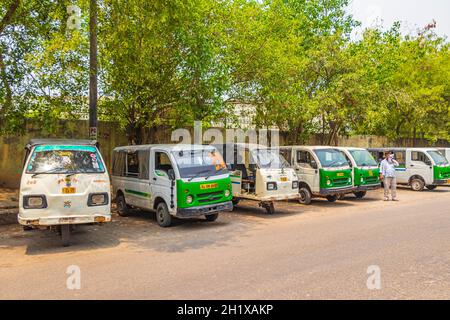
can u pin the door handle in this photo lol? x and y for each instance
(154, 179)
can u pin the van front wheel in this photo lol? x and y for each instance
(212, 217)
(417, 184)
(305, 196)
(163, 216)
(65, 235)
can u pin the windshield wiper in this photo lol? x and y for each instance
(197, 174)
(45, 172)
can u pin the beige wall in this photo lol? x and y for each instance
(110, 136)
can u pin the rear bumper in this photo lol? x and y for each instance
(333, 191)
(53, 221)
(204, 210)
(368, 187)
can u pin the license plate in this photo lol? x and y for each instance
(340, 174)
(69, 190)
(371, 173)
(284, 179)
(208, 186)
(448, 181)
(66, 220)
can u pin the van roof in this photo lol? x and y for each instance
(61, 142)
(310, 147)
(402, 149)
(168, 147)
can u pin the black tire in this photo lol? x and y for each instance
(211, 217)
(163, 216)
(270, 207)
(360, 194)
(235, 201)
(123, 209)
(65, 235)
(305, 196)
(332, 198)
(431, 187)
(417, 184)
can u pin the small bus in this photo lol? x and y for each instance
(182, 181)
(322, 172)
(64, 183)
(418, 167)
(365, 170)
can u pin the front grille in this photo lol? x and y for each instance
(209, 194)
(371, 180)
(209, 199)
(340, 182)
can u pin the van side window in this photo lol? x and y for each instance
(418, 156)
(400, 157)
(162, 162)
(132, 164)
(144, 163)
(304, 159)
(119, 160)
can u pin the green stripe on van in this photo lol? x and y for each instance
(138, 193)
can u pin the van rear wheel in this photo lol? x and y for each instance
(212, 217)
(163, 216)
(360, 194)
(122, 208)
(417, 184)
(332, 198)
(305, 196)
(65, 235)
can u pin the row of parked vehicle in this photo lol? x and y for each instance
(66, 183)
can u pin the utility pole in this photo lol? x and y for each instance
(93, 72)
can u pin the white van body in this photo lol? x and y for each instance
(418, 167)
(255, 180)
(160, 177)
(64, 182)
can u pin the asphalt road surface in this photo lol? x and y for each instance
(322, 251)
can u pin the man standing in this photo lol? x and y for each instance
(387, 167)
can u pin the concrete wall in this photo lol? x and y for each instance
(110, 136)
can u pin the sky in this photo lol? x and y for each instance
(413, 14)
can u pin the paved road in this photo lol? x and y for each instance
(321, 251)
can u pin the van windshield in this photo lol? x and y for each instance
(363, 158)
(438, 158)
(65, 160)
(331, 158)
(199, 163)
(269, 159)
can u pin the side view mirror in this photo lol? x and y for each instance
(252, 167)
(428, 162)
(171, 174)
(313, 164)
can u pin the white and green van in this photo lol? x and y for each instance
(365, 170)
(418, 167)
(179, 180)
(322, 171)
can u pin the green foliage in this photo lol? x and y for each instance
(171, 62)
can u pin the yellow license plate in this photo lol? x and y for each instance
(284, 179)
(371, 173)
(69, 190)
(340, 174)
(208, 186)
(448, 181)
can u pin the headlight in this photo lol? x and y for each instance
(98, 199)
(294, 184)
(227, 193)
(34, 202)
(189, 199)
(271, 186)
(328, 182)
